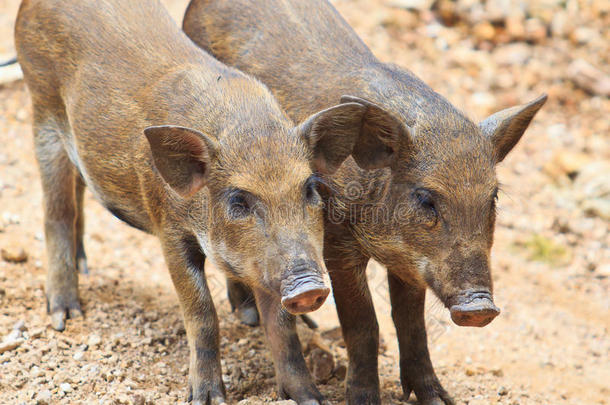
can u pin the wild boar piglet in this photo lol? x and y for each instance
(425, 208)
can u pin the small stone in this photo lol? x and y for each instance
(10, 345)
(497, 372)
(484, 31)
(535, 30)
(36, 333)
(470, 372)
(583, 35)
(43, 397)
(36, 372)
(65, 387)
(94, 341)
(79, 355)
(14, 254)
(515, 27)
(502, 391)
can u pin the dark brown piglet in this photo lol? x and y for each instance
(179, 145)
(426, 210)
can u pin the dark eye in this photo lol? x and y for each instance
(238, 206)
(424, 198)
(311, 190)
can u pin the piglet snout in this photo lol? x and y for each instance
(306, 300)
(303, 290)
(474, 309)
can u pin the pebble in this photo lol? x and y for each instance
(94, 341)
(502, 391)
(79, 355)
(65, 387)
(535, 30)
(583, 35)
(10, 345)
(43, 397)
(14, 254)
(484, 31)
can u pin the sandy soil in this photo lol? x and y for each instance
(551, 256)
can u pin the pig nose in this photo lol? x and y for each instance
(474, 309)
(306, 300)
(303, 289)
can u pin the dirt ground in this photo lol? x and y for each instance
(551, 257)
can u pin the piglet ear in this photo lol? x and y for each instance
(331, 134)
(506, 127)
(183, 156)
(381, 136)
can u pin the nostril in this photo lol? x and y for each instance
(306, 300)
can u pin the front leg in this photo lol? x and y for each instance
(186, 264)
(416, 371)
(357, 318)
(293, 377)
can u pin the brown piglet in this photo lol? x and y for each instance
(426, 209)
(180, 146)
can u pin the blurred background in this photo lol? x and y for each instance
(551, 257)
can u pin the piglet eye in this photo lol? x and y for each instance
(238, 206)
(424, 198)
(311, 190)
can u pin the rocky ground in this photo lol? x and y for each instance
(551, 258)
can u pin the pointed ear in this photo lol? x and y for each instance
(506, 127)
(380, 137)
(182, 156)
(331, 135)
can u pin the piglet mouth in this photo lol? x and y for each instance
(304, 293)
(473, 308)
